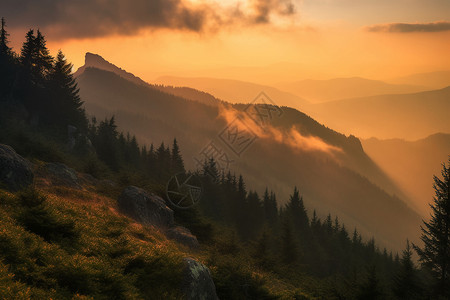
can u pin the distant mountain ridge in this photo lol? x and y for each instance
(434, 80)
(338, 185)
(235, 91)
(342, 88)
(410, 116)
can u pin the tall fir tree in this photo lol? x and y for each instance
(406, 283)
(67, 107)
(177, 160)
(4, 48)
(435, 254)
(44, 61)
(7, 64)
(296, 210)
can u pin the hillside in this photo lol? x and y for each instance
(98, 62)
(343, 88)
(395, 156)
(408, 116)
(153, 115)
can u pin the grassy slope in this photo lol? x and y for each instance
(106, 255)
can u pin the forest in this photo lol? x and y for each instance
(43, 119)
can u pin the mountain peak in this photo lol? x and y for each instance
(94, 60)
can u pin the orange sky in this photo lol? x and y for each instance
(319, 39)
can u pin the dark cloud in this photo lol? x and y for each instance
(90, 18)
(410, 27)
(264, 8)
(94, 18)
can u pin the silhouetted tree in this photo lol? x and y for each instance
(106, 143)
(406, 284)
(270, 207)
(66, 107)
(435, 253)
(44, 61)
(7, 63)
(177, 160)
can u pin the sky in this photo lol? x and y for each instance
(254, 40)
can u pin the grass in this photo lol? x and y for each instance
(54, 247)
(61, 243)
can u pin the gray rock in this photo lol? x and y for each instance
(198, 283)
(145, 208)
(183, 236)
(62, 175)
(15, 171)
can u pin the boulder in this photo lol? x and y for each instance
(197, 281)
(62, 175)
(15, 171)
(145, 208)
(183, 236)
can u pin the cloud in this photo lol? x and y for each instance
(93, 18)
(291, 137)
(410, 27)
(264, 8)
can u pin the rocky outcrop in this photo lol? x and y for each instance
(15, 171)
(62, 175)
(183, 236)
(198, 283)
(145, 208)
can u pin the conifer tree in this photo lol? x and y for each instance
(44, 61)
(28, 51)
(406, 284)
(177, 160)
(297, 211)
(435, 253)
(106, 143)
(66, 108)
(5, 50)
(7, 63)
(270, 207)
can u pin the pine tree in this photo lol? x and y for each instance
(28, 51)
(44, 61)
(5, 50)
(297, 212)
(7, 63)
(270, 207)
(177, 160)
(435, 253)
(406, 284)
(106, 143)
(66, 108)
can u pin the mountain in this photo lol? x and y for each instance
(412, 164)
(343, 88)
(235, 91)
(432, 80)
(408, 116)
(96, 61)
(331, 170)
